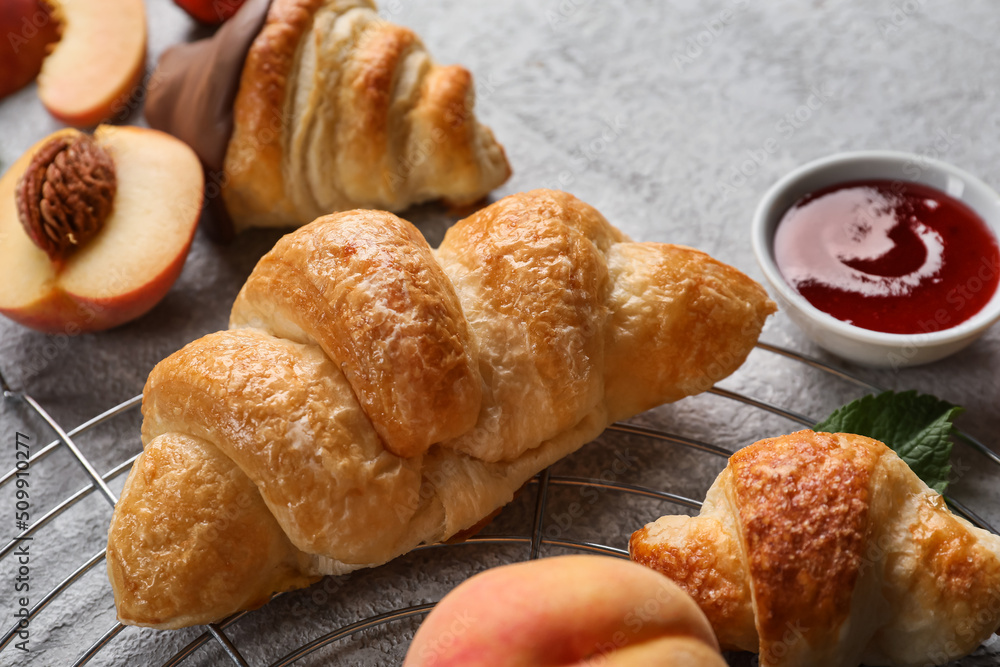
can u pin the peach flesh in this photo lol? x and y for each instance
(98, 62)
(132, 262)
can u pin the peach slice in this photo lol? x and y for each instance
(566, 611)
(131, 263)
(96, 65)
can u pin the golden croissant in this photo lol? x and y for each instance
(826, 550)
(373, 394)
(338, 109)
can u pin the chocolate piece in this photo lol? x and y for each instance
(192, 91)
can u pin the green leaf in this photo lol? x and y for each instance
(916, 426)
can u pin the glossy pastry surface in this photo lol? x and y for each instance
(826, 549)
(380, 395)
(338, 109)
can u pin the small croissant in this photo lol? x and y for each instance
(339, 109)
(373, 394)
(826, 550)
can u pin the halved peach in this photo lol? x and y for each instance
(97, 63)
(134, 259)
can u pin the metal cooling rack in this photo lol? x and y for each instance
(532, 540)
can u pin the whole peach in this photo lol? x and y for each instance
(564, 611)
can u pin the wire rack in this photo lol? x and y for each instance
(526, 535)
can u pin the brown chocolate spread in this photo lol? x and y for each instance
(192, 91)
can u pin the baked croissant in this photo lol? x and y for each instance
(373, 394)
(298, 108)
(821, 549)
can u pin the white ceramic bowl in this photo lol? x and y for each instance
(863, 346)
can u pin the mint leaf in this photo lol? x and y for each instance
(916, 426)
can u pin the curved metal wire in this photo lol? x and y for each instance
(227, 645)
(205, 637)
(844, 375)
(122, 467)
(51, 595)
(99, 645)
(353, 628)
(820, 365)
(124, 406)
(534, 540)
(626, 488)
(635, 429)
(70, 444)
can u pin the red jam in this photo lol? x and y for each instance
(888, 256)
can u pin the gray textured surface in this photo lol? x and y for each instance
(647, 110)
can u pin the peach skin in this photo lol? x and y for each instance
(563, 612)
(30, 29)
(129, 263)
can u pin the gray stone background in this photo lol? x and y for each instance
(657, 113)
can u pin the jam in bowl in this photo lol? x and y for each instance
(886, 259)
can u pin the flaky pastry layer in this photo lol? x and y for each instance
(826, 550)
(373, 395)
(338, 109)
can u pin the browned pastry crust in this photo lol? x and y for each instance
(826, 549)
(183, 486)
(255, 155)
(380, 395)
(370, 284)
(338, 109)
